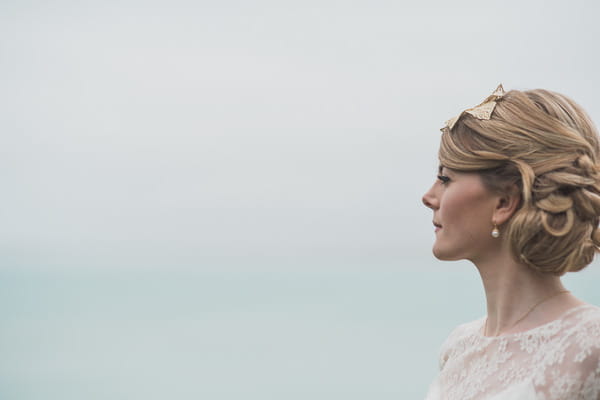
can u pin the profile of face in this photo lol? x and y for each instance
(463, 211)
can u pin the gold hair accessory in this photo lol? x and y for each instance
(481, 111)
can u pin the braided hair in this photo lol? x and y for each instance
(544, 144)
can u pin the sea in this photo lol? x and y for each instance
(235, 332)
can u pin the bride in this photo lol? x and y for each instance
(518, 194)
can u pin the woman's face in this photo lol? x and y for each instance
(462, 215)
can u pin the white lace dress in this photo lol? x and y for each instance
(558, 360)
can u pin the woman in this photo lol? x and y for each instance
(518, 194)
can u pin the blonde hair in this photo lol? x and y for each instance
(544, 144)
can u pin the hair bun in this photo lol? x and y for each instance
(545, 144)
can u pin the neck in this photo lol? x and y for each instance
(512, 289)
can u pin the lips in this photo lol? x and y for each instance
(436, 224)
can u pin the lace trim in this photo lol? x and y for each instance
(560, 360)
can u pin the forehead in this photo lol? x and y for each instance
(443, 168)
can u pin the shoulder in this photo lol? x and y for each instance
(571, 363)
(459, 339)
(576, 332)
(587, 315)
(466, 329)
(583, 330)
(581, 322)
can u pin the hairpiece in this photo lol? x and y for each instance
(481, 111)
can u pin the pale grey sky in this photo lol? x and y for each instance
(147, 133)
(292, 136)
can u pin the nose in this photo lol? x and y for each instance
(429, 199)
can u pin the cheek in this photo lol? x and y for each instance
(454, 208)
(468, 210)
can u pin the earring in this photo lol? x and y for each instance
(495, 231)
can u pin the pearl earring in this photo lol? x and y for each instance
(495, 232)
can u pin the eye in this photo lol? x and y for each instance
(444, 179)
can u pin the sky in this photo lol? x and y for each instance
(155, 133)
(222, 199)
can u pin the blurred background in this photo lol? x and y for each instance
(222, 200)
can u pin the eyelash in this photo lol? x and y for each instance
(444, 179)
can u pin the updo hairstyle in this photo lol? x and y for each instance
(545, 145)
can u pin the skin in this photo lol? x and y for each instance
(464, 213)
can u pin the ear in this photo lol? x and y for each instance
(507, 204)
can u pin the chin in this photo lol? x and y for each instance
(445, 255)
